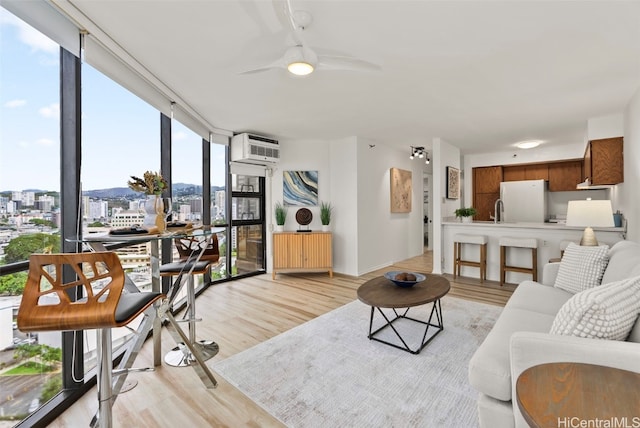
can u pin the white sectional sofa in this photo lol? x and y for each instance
(521, 339)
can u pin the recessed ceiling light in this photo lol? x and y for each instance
(529, 144)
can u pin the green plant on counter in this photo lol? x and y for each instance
(466, 212)
(325, 213)
(281, 214)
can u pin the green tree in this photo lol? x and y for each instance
(51, 387)
(41, 222)
(26, 351)
(50, 355)
(20, 248)
(13, 283)
(96, 224)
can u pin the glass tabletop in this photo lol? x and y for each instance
(170, 233)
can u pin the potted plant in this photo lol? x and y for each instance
(281, 216)
(325, 215)
(466, 213)
(156, 208)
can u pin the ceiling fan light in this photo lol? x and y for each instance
(300, 68)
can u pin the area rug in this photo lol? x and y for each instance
(327, 373)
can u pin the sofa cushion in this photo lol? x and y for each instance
(494, 413)
(581, 267)
(605, 312)
(536, 297)
(490, 368)
(634, 336)
(624, 262)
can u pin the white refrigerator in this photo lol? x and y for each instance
(524, 201)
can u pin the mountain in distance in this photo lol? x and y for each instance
(179, 189)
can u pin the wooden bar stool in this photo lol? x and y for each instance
(93, 299)
(480, 240)
(506, 242)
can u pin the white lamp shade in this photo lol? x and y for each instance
(590, 213)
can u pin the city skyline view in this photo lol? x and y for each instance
(120, 132)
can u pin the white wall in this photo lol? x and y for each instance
(444, 154)
(385, 237)
(354, 177)
(344, 171)
(608, 126)
(6, 325)
(625, 195)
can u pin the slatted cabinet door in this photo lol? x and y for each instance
(302, 252)
(317, 251)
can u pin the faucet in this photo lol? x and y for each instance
(498, 209)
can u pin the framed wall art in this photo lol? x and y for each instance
(453, 183)
(400, 190)
(300, 188)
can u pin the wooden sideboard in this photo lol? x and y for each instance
(302, 252)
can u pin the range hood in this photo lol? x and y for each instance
(586, 185)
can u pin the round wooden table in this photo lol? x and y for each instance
(382, 293)
(566, 394)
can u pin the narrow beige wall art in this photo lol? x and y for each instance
(400, 190)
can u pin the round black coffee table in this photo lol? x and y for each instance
(381, 293)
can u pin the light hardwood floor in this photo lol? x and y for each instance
(238, 315)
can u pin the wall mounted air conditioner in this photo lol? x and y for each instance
(250, 148)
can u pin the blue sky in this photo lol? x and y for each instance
(121, 133)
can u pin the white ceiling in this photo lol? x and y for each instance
(479, 74)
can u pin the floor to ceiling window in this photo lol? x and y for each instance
(121, 136)
(247, 223)
(29, 205)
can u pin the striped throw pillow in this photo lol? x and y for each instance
(605, 312)
(581, 267)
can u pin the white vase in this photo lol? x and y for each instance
(279, 227)
(156, 210)
(467, 219)
(326, 228)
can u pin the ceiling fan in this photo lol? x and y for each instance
(301, 60)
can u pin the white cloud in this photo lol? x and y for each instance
(23, 143)
(15, 103)
(29, 36)
(179, 136)
(50, 111)
(44, 142)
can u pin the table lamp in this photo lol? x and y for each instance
(588, 214)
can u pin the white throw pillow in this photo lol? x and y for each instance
(581, 267)
(605, 312)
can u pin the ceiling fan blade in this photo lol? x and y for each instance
(279, 63)
(335, 62)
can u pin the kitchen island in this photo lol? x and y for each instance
(549, 236)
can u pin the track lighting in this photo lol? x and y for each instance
(420, 153)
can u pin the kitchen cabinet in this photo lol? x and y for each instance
(565, 176)
(536, 171)
(487, 179)
(603, 161)
(302, 252)
(486, 190)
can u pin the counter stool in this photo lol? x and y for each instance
(506, 242)
(187, 248)
(480, 240)
(50, 304)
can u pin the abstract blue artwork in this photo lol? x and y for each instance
(300, 187)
